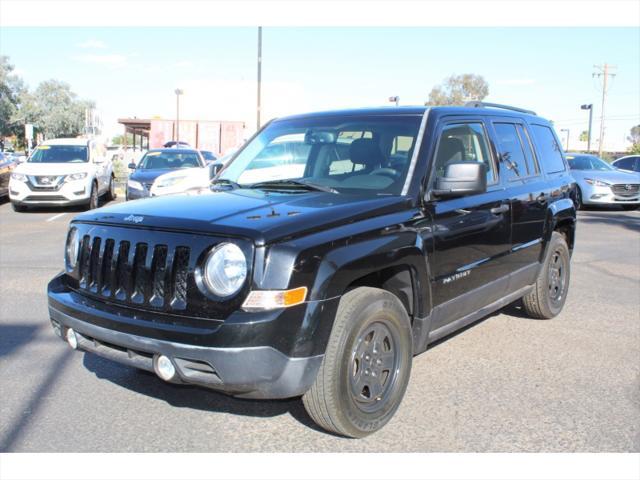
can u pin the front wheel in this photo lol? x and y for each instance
(578, 201)
(366, 367)
(93, 197)
(111, 193)
(552, 285)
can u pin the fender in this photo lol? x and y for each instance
(560, 212)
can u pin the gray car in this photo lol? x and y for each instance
(601, 184)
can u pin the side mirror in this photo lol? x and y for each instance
(214, 168)
(132, 166)
(461, 179)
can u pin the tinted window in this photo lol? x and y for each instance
(59, 154)
(169, 160)
(550, 153)
(532, 164)
(626, 163)
(351, 154)
(511, 151)
(463, 142)
(579, 163)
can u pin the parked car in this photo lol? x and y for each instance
(61, 172)
(158, 162)
(176, 144)
(7, 164)
(326, 283)
(630, 163)
(601, 184)
(182, 180)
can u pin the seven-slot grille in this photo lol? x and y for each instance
(626, 189)
(134, 273)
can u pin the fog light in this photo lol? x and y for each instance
(72, 338)
(164, 368)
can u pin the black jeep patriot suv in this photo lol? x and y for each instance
(331, 250)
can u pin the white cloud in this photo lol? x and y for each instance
(183, 64)
(516, 81)
(92, 43)
(110, 59)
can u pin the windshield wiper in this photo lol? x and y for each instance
(294, 184)
(226, 182)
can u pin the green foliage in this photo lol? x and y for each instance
(634, 138)
(52, 108)
(119, 139)
(459, 89)
(584, 136)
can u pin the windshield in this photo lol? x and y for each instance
(588, 162)
(169, 160)
(59, 154)
(357, 154)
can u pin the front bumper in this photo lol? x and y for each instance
(70, 193)
(236, 357)
(135, 194)
(600, 195)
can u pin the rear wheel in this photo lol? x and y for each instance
(366, 367)
(550, 290)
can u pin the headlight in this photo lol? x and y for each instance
(225, 269)
(170, 182)
(20, 177)
(72, 249)
(597, 183)
(77, 176)
(134, 185)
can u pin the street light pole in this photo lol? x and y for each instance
(178, 92)
(590, 108)
(395, 99)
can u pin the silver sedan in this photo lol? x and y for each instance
(601, 184)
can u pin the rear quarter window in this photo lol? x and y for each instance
(549, 151)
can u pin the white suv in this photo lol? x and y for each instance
(64, 171)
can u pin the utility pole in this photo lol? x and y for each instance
(603, 71)
(567, 145)
(259, 73)
(178, 92)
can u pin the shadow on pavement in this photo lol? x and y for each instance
(195, 398)
(14, 336)
(626, 220)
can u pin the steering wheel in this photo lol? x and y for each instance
(387, 172)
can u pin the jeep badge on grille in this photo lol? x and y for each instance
(133, 218)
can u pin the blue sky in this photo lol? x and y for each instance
(134, 71)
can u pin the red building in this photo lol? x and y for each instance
(215, 136)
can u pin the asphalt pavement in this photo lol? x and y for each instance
(506, 384)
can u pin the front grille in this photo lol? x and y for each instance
(45, 198)
(626, 189)
(134, 273)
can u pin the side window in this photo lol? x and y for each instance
(626, 164)
(532, 164)
(550, 153)
(511, 151)
(463, 142)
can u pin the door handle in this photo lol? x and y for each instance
(501, 209)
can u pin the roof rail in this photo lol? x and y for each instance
(477, 104)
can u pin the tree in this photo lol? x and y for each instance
(56, 110)
(11, 90)
(634, 138)
(584, 136)
(459, 89)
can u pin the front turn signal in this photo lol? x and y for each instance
(272, 299)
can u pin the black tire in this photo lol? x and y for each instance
(111, 192)
(630, 207)
(578, 200)
(18, 208)
(359, 387)
(93, 197)
(552, 285)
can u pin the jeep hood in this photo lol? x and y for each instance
(264, 217)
